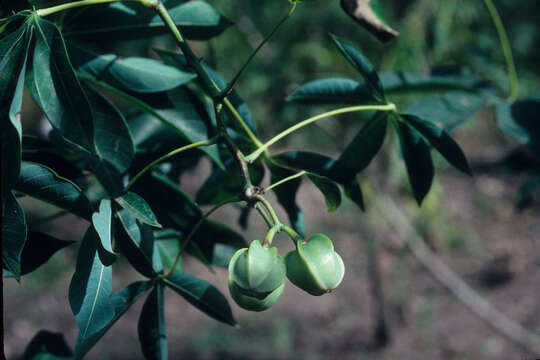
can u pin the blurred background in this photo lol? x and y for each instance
(390, 304)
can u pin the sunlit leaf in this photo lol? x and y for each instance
(121, 302)
(147, 75)
(90, 289)
(102, 222)
(139, 208)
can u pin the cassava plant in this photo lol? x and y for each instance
(180, 111)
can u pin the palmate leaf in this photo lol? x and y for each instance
(14, 54)
(139, 208)
(331, 192)
(58, 91)
(202, 295)
(136, 241)
(366, 144)
(39, 248)
(121, 302)
(43, 183)
(13, 236)
(415, 151)
(197, 20)
(90, 289)
(441, 141)
(363, 66)
(324, 166)
(151, 328)
(368, 14)
(286, 195)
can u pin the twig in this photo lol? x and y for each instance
(448, 278)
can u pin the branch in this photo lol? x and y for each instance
(448, 278)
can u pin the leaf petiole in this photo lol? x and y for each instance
(62, 7)
(506, 48)
(208, 142)
(255, 154)
(194, 230)
(233, 82)
(284, 180)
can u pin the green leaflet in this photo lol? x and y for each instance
(90, 289)
(121, 302)
(331, 192)
(151, 328)
(43, 183)
(366, 144)
(136, 241)
(14, 233)
(14, 55)
(59, 92)
(203, 296)
(417, 158)
(139, 208)
(198, 20)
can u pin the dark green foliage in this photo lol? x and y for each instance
(90, 289)
(418, 161)
(39, 248)
(152, 331)
(203, 296)
(115, 110)
(13, 236)
(198, 20)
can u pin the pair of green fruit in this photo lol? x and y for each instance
(257, 274)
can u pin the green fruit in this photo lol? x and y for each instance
(314, 266)
(256, 277)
